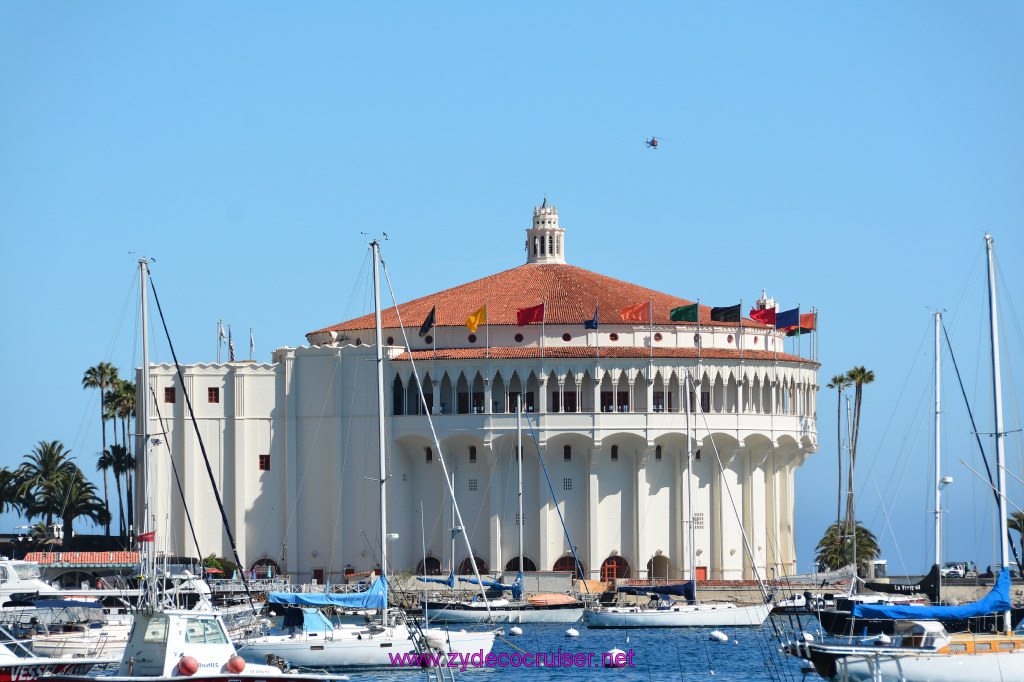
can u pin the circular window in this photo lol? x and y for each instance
(472, 338)
(567, 337)
(613, 336)
(657, 336)
(519, 338)
(359, 342)
(428, 338)
(391, 340)
(696, 338)
(729, 338)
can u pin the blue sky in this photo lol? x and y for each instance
(844, 156)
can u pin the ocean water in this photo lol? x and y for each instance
(657, 654)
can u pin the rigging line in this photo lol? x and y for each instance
(202, 445)
(437, 442)
(170, 456)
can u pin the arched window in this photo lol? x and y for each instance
(567, 453)
(657, 452)
(265, 568)
(397, 396)
(569, 565)
(528, 565)
(466, 568)
(614, 567)
(432, 567)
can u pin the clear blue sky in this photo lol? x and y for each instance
(848, 156)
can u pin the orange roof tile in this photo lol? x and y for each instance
(570, 294)
(83, 558)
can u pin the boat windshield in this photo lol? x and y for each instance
(156, 629)
(27, 571)
(205, 631)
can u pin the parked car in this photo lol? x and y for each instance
(959, 569)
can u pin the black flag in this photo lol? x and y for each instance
(729, 314)
(428, 323)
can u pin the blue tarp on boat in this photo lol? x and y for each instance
(376, 597)
(516, 587)
(996, 600)
(687, 590)
(449, 581)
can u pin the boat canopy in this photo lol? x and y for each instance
(449, 581)
(375, 597)
(996, 600)
(686, 590)
(516, 587)
(309, 619)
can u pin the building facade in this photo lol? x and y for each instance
(604, 375)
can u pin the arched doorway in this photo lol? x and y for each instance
(528, 565)
(569, 565)
(265, 568)
(432, 567)
(614, 567)
(466, 568)
(659, 567)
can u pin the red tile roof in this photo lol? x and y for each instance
(84, 558)
(591, 352)
(570, 294)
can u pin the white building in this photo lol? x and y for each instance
(294, 442)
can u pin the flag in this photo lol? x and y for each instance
(727, 314)
(220, 333)
(765, 316)
(476, 319)
(252, 342)
(636, 313)
(231, 345)
(525, 316)
(687, 313)
(428, 323)
(787, 319)
(591, 324)
(147, 537)
(806, 326)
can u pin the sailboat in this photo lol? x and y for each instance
(542, 608)
(674, 613)
(927, 650)
(370, 644)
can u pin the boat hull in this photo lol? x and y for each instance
(839, 622)
(682, 616)
(29, 669)
(933, 668)
(510, 613)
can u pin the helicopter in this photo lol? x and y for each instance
(651, 142)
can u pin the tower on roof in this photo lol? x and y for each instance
(545, 241)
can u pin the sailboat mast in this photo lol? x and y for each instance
(689, 484)
(938, 463)
(142, 447)
(519, 461)
(997, 395)
(381, 449)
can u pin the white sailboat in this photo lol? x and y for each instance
(543, 608)
(369, 645)
(672, 613)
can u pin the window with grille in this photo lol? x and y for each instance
(213, 395)
(566, 484)
(698, 520)
(518, 518)
(264, 462)
(473, 484)
(169, 396)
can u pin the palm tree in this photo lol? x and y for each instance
(101, 376)
(77, 498)
(40, 475)
(123, 463)
(835, 549)
(859, 376)
(840, 382)
(1015, 521)
(123, 406)
(10, 500)
(109, 461)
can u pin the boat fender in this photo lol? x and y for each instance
(614, 659)
(808, 637)
(188, 666)
(718, 636)
(516, 631)
(572, 632)
(236, 664)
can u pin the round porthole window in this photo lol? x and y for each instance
(567, 337)
(657, 336)
(729, 338)
(391, 340)
(472, 338)
(613, 336)
(519, 338)
(428, 338)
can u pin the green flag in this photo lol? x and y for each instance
(688, 313)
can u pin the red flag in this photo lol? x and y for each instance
(528, 315)
(766, 316)
(147, 537)
(636, 313)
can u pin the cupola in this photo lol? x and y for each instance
(545, 241)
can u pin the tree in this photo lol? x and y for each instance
(122, 406)
(835, 549)
(101, 376)
(1015, 521)
(109, 461)
(10, 500)
(859, 376)
(124, 465)
(840, 382)
(77, 498)
(40, 475)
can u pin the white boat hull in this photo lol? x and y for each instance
(511, 613)
(679, 616)
(933, 668)
(349, 646)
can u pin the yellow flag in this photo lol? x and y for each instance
(476, 319)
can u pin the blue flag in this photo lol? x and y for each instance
(591, 324)
(788, 318)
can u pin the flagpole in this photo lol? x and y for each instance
(487, 333)
(799, 342)
(220, 337)
(650, 316)
(543, 315)
(252, 344)
(741, 329)
(698, 329)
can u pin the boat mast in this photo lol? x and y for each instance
(997, 396)
(938, 462)
(689, 483)
(381, 449)
(142, 447)
(519, 461)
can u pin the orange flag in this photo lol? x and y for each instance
(476, 319)
(636, 313)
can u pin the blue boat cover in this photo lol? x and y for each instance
(996, 600)
(376, 597)
(686, 590)
(516, 587)
(449, 581)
